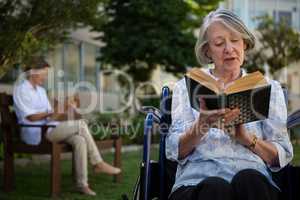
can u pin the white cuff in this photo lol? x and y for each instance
(172, 149)
(283, 161)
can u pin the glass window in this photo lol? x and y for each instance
(283, 16)
(71, 58)
(54, 58)
(254, 15)
(90, 55)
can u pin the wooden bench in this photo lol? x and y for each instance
(13, 144)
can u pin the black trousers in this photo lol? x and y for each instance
(247, 184)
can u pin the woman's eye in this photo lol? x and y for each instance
(219, 44)
(234, 40)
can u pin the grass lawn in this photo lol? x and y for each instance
(296, 160)
(33, 181)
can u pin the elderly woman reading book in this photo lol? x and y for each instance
(32, 107)
(219, 159)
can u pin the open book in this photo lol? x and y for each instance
(66, 109)
(250, 93)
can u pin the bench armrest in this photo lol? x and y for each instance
(37, 125)
(44, 127)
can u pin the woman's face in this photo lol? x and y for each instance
(225, 47)
(39, 76)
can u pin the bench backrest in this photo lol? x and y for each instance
(9, 125)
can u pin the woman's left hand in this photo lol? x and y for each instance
(238, 132)
(242, 136)
(266, 150)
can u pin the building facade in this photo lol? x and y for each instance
(288, 10)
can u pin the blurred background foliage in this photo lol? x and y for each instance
(32, 26)
(279, 46)
(143, 35)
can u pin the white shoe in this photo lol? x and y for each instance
(86, 191)
(106, 168)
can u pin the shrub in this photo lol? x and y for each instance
(130, 128)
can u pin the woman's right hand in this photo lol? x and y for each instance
(207, 119)
(214, 118)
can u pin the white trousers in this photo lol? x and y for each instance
(76, 133)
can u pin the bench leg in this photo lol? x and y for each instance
(55, 170)
(8, 169)
(73, 168)
(117, 158)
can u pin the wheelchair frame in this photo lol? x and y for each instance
(149, 186)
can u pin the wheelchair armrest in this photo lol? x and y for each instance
(156, 112)
(293, 119)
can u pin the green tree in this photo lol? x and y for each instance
(279, 45)
(141, 35)
(31, 26)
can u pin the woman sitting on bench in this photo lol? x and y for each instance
(212, 163)
(32, 107)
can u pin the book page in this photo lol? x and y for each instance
(66, 109)
(248, 82)
(204, 79)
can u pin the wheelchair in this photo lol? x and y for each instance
(157, 177)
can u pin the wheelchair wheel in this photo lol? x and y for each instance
(137, 189)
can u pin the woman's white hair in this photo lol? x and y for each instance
(230, 20)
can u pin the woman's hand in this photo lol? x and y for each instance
(242, 136)
(264, 149)
(216, 118)
(207, 119)
(39, 116)
(239, 132)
